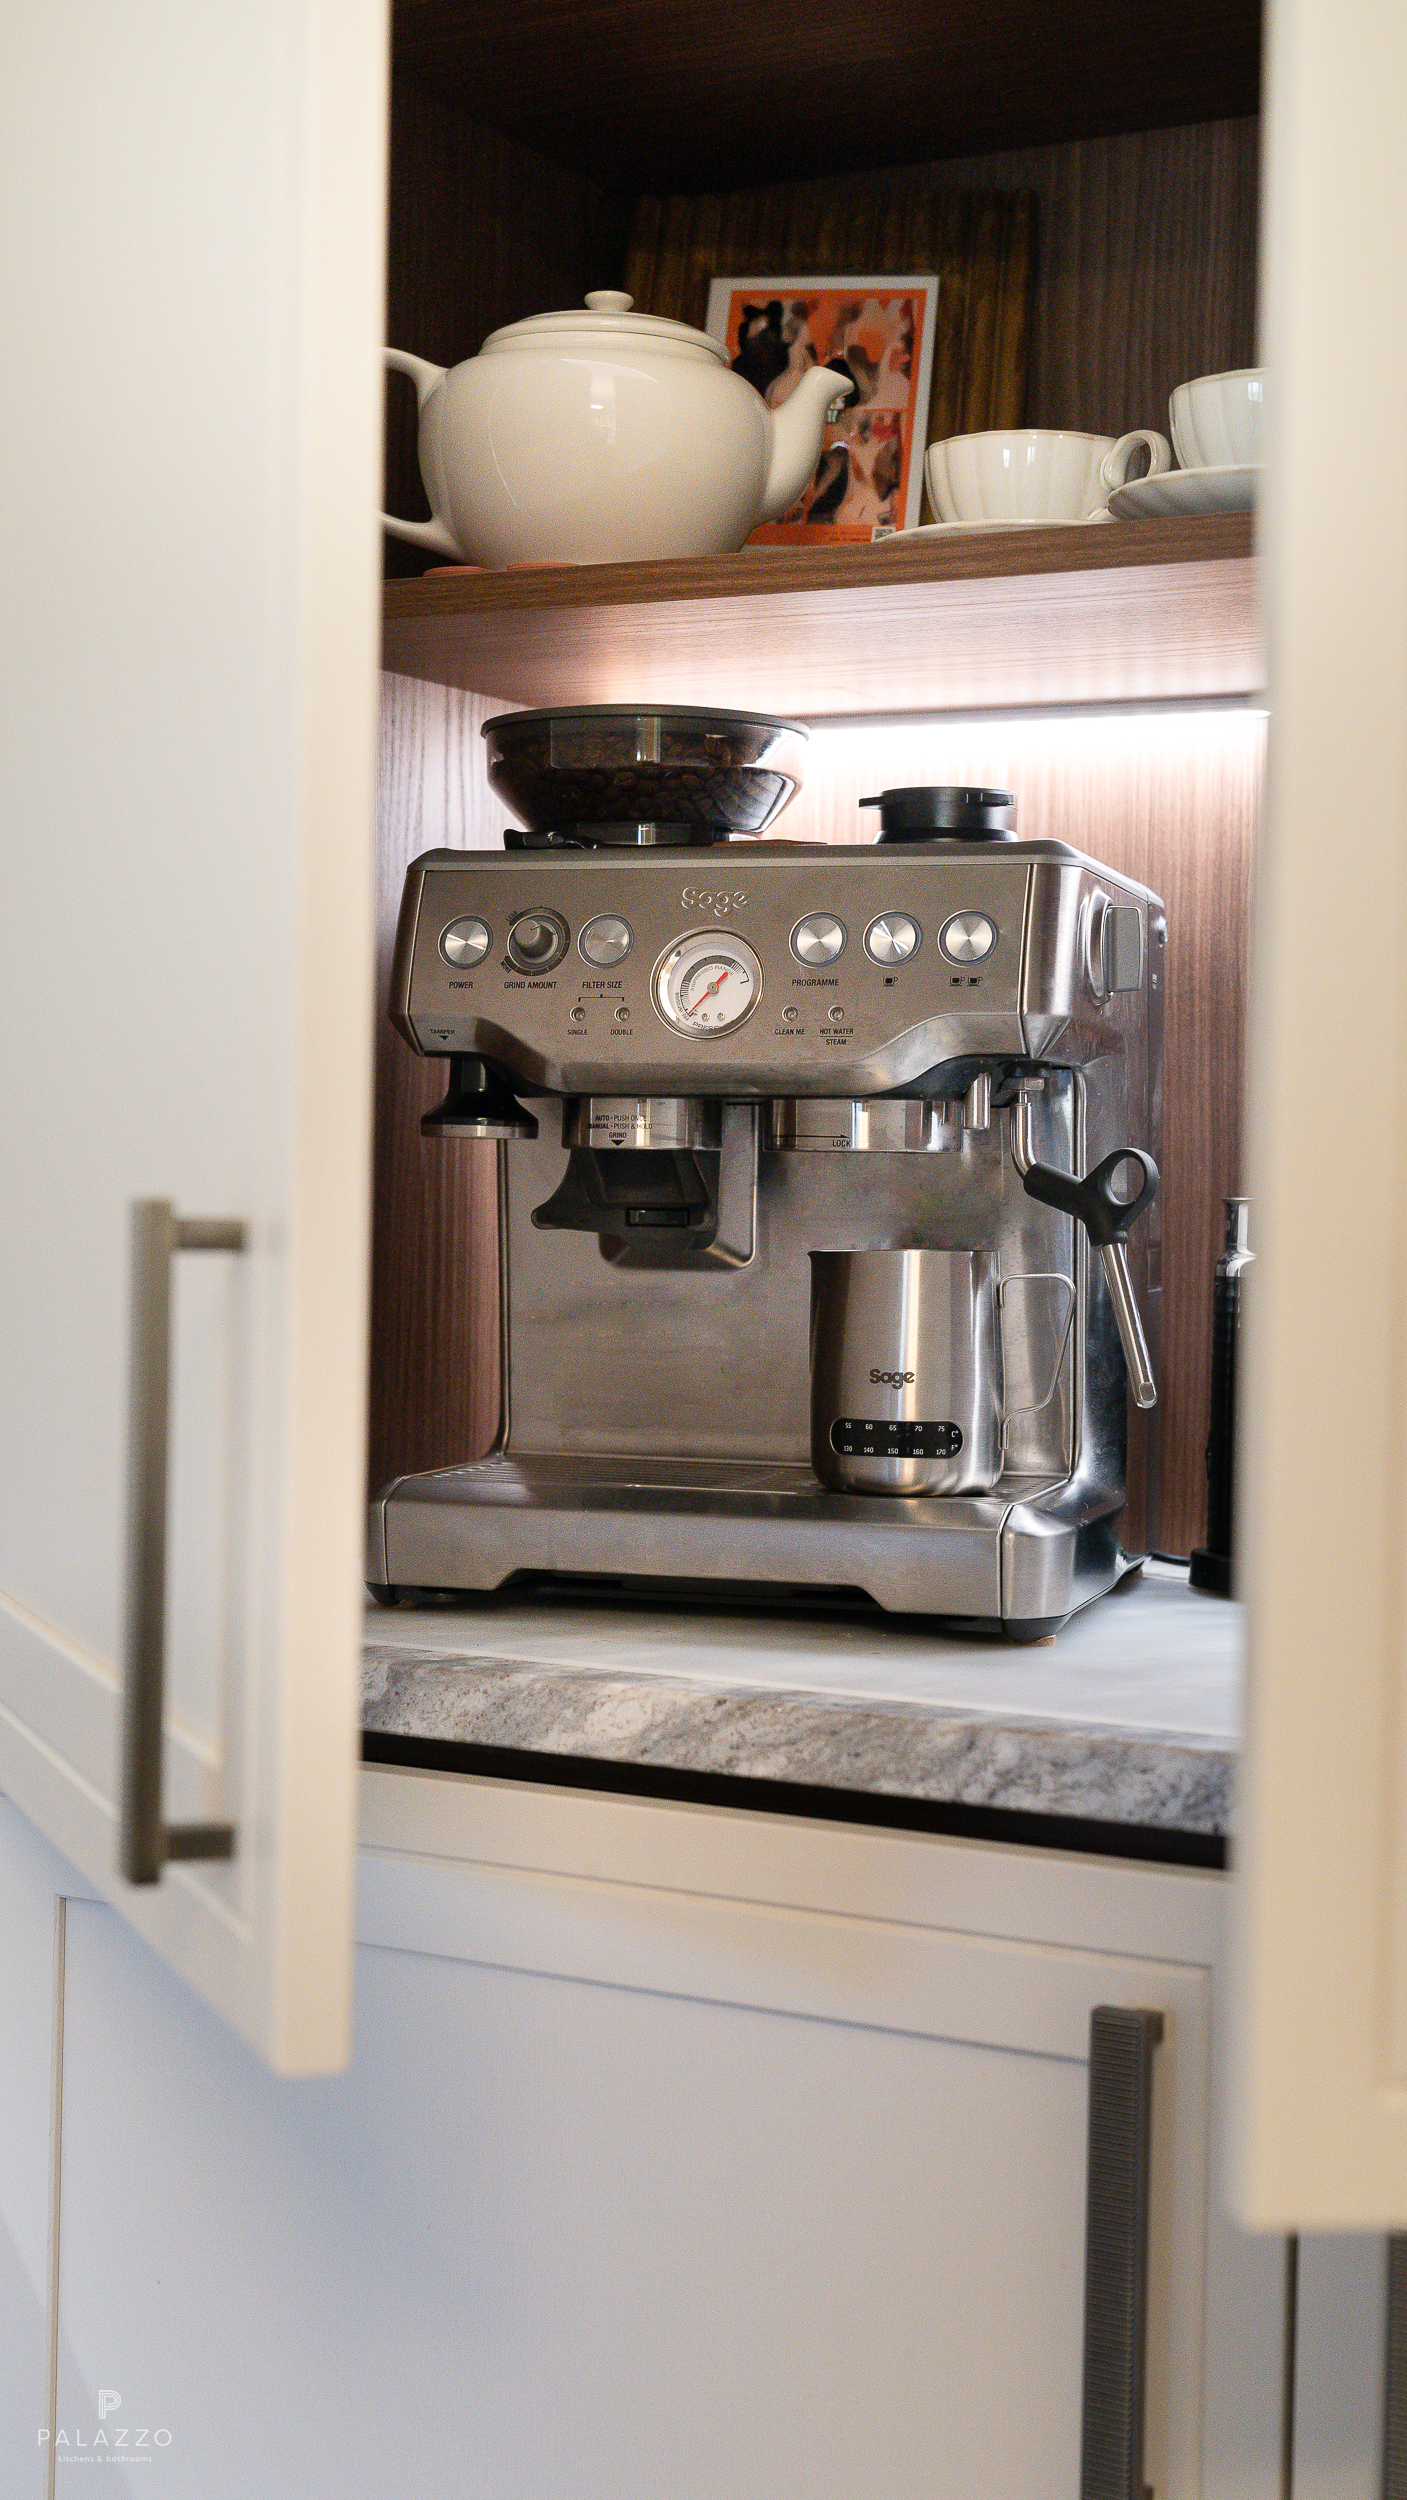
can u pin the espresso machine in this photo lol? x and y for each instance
(829, 1235)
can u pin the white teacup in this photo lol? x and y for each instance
(1218, 421)
(1036, 474)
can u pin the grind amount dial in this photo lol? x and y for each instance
(708, 984)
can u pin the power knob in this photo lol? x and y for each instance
(537, 941)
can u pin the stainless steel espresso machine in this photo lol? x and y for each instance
(830, 1249)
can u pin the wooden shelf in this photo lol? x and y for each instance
(668, 95)
(1118, 613)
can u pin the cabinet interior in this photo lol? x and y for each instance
(519, 144)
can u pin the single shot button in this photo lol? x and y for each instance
(892, 938)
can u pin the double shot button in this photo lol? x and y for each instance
(968, 937)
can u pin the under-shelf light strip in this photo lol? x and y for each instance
(995, 715)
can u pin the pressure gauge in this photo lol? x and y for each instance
(708, 983)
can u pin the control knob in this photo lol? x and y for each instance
(537, 941)
(818, 939)
(892, 938)
(465, 941)
(968, 938)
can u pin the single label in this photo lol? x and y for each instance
(856, 1436)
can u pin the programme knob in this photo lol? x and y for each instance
(892, 938)
(968, 938)
(818, 939)
(465, 942)
(537, 941)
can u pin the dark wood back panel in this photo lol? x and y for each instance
(1146, 266)
(434, 1274)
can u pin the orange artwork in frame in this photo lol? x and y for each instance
(878, 330)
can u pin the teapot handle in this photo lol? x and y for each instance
(433, 534)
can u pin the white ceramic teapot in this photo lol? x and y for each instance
(604, 436)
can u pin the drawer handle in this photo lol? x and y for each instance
(1121, 2044)
(145, 1840)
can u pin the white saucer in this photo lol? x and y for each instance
(1182, 491)
(950, 529)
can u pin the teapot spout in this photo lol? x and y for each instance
(797, 428)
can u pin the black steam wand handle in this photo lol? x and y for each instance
(1106, 1218)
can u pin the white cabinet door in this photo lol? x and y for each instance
(1321, 2093)
(32, 1922)
(634, 2190)
(192, 206)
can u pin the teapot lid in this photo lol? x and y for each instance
(608, 315)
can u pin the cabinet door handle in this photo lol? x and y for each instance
(1395, 2372)
(1121, 2044)
(145, 1840)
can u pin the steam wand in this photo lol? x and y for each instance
(1106, 1218)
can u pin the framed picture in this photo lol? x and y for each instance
(869, 478)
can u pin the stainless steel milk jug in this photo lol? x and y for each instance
(919, 1358)
(905, 1370)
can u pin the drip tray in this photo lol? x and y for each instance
(1023, 1551)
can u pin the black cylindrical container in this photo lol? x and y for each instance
(935, 811)
(1211, 1567)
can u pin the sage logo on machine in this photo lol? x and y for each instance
(720, 903)
(891, 1380)
(124, 2441)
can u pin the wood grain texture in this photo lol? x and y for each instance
(1171, 799)
(434, 1290)
(1147, 266)
(1108, 613)
(481, 232)
(663, 95)
(981, 246)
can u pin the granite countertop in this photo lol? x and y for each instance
(1128, 1721)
